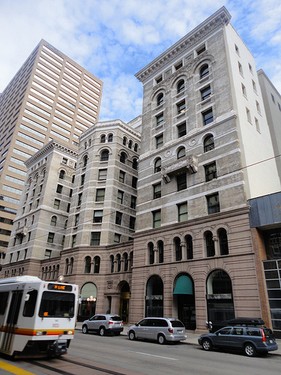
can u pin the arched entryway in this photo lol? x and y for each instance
(154, 296)
(185, 299)
(87, 301)
(219, 297)
(125, 295)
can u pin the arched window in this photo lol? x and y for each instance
(131, 259)
(123, 157)
(118, 260)
(62, 174)
(136, 147)
(181, 153)
(157, 165)
(102, 138)
(66, 266)
(110, 137)
(130, 143)
(209, 143)
(87, 268)
(124, 141)
(85, 160)
(223, 241)
(160, 247)
(135, 163)
(178, 248)
(111, 263)
(189, 246)
(209, 244)
(204, 71)
(154, 296)
(150, 253)
(70, 267)
(160, 99)
(104, 156)
(126, 261)
(96, 264)
(180, 86)
(53, 221)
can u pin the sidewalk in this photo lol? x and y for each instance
(192, 338)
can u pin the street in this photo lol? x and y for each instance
(118, 355)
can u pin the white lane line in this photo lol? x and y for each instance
(153, 355)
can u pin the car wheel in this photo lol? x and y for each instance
(161, 339)
(85, 329)
(102, 331)
(249, 350)
(132, 335)
(207, 345)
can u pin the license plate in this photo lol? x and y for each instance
(180, 331)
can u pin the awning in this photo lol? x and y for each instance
(183, 285)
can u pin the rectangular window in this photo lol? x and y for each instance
(207, 116)
(178, 65)
(118, 218)
(120, 196)
(95, 239)
(159, 119)
(79, 199)
(102, 174)
(98, 214)
(48, 254)
(201, 49)
(181, 129)
(182, 212)
(213, 203)
(57, 204)
(257, 125)
(210, 171)
(76, 220)
(117, 238)
(181, 107)
(132, 222)
(156, 217)
(157, 191)
(181, 181)
(240, 69)
(73, 241)
(59, 188)
(122, 175)
(158, 79)
(133, 202)
(205, 92)
(82, 179)
(100, 193)
(243, 90)
(248, 113)
(51, 237)
(159, 140)
(134, 182)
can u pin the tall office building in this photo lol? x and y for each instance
(50, 98)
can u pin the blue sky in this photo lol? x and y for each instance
(114, 39)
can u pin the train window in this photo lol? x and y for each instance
(3, 302)
(30, 302)
(14, 308)
(54, 304)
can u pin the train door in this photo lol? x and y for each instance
(12, 314)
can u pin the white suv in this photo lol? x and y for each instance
(103, 323)
(158, 329)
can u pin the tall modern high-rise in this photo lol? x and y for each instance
(50, 98)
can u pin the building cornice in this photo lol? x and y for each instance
(45, 150)
(221, 17)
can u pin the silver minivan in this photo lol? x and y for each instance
(161, 330)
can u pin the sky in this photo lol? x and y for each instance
(114, 39)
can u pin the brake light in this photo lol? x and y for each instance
(110, 322)
(263, 336)
(170, 330)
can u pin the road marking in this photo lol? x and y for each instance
(14, 369)
(157, 356)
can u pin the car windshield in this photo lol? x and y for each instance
(115, 318)
(177, 323)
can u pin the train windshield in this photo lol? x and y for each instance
(57, 305)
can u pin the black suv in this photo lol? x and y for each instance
(249, 339)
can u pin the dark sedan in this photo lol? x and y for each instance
(251, 340)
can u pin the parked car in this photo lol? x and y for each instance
(103, 323)
(214, 326)
(161, 330)
(249, 339)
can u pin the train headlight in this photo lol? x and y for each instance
(39, 333)
(70, 332)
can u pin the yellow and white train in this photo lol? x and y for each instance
(37, 318)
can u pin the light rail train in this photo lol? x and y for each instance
(37, 318)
